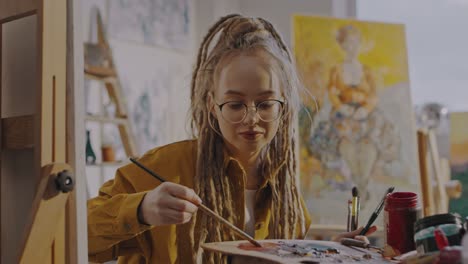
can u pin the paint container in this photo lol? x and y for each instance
(400, 213)
(424, 228)
(108, 153)
(451, 255)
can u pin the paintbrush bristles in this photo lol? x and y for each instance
(355, 191)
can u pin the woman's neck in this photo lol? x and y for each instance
(251, 166)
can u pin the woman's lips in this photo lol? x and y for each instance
(251, 135)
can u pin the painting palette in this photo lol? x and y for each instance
(294, 251)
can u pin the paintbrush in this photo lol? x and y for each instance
(205, 209)
(376, 212)
(355, 209)
(350, 242)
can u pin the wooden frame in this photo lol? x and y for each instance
(76, 208)
(11, 10)
(11, 138)
(436, 186)
(56, 140)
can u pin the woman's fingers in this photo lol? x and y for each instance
(172, 216)
(180, 205)
(362, 238)
(353, 233)
(183, 192)
(169, 203)
(371, 230)
(356, 234)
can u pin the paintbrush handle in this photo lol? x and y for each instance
(234, 228)
(202, 207)
(369, 223)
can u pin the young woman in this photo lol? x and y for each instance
(242, 164)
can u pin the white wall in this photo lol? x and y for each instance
(436, 33)
(208, 12)
(279, 12)
(159, 70)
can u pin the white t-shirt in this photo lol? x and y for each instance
(249, 211)
(249, 216)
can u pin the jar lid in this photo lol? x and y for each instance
(435, 220)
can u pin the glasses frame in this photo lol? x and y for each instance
(246, 111)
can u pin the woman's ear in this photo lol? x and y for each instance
(210, 104)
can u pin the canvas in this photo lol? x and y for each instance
(156, 86)
(164, 23)
(360, 129)
(459, 159)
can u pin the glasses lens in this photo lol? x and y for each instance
(269, 110)
(234, 111)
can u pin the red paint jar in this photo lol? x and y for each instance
(401, 212)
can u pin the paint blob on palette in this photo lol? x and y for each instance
(294, 251)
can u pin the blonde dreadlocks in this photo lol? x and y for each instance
(231, 35)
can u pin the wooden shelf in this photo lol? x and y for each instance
(99, 66)
(99, 71)
(106, 119)
(105, 79)
(108, 164)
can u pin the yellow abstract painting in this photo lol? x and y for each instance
(359, 131)
(459, 159)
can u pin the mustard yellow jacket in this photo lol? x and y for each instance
(113, 227)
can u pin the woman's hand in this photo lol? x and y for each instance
(355, 234)
(167, 204)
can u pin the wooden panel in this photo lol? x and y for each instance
(99, 72)
(441, 196)
(18, 185)
(426, 182)
(19, 67)
(44, 221)
(18, 132)
(18, 89)
(1, 150)
(53, 125)
(13, 9)
(114, 90)
(59, 245)
(53, 99)
(127, 139)
(106, 119)
(76, 232)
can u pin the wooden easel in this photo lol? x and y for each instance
(40, 228)
(436, 186)
(99, 65)
(47, 217)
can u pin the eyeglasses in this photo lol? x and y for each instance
(235, 111)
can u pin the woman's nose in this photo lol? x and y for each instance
(251, 117)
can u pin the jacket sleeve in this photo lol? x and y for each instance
(112, 220)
